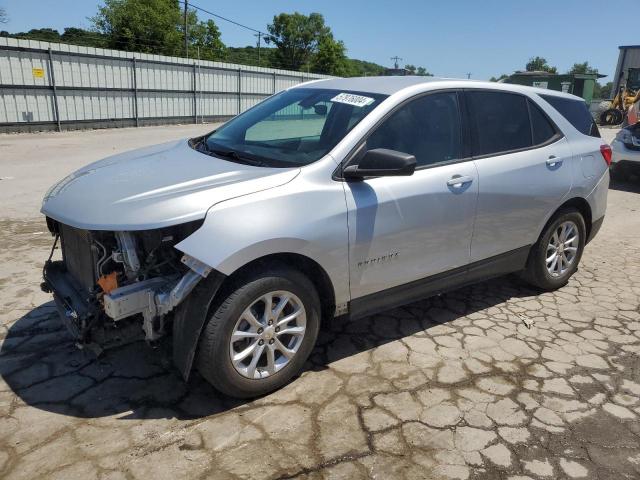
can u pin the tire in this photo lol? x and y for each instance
(618, 172)
(612, 116)
(247, 378)
(537, 271)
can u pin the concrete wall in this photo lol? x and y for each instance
(57, 86)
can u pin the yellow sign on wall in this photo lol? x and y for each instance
(38, 72)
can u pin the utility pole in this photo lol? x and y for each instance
(468, 76)
(186, 29)
(396, 59)
(259, 35)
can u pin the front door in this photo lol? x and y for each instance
(402, 229)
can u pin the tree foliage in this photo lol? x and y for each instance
(539, 64)
(603, 91)
(420, 71)
(295, 41)
(583, 68)
(497, 79)
(297, 37)
(156, 26)
(330, 58)
(149, 26)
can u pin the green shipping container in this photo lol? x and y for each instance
(580, 84)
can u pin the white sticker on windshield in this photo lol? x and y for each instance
(351, 99)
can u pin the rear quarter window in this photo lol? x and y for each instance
(576, 113)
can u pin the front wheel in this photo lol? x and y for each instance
(261, 333)
(555, 256)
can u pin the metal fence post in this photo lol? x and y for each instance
(195, 96)
(56, 110)
(135, 92)
(239, 91)
(274, 82)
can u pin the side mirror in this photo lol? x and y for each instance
(381, 162)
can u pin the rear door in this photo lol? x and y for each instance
(524, 170)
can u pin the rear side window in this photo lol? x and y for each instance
(576, 112)
(499, 122)
(543, 129)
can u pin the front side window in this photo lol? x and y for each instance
(428, 128)
(499, 122)
(291, 129)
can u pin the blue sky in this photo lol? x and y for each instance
(449, 38)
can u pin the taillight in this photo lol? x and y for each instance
(606, 152)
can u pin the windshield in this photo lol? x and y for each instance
(290, 129)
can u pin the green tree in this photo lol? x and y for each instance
(539, 64)
(602, 91)
(41, 34)
(330, 57)
(422, 72)
(149, 26)
(501, 77)
(80, 36)
(361, 68)
(582, 68)
(411, 69)
(204, 38)
(297, 38)
(156, 26)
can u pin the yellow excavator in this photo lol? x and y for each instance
(624, 106)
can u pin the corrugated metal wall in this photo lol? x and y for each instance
(629, 57)
(51, 85)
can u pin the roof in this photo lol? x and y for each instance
(384, 85)
(391, 85)
(629, 46)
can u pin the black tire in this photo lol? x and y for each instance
(213, 359)
(612, 116)
(536, 272)
(618, 172)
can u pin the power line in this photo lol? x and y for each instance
(396, 59)
(221, 17)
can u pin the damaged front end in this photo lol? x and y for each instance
(113, 288)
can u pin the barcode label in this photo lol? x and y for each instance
(351, 99)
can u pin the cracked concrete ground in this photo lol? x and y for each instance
(454, 387)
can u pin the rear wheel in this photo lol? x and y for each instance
(261, 334)
(555, 256)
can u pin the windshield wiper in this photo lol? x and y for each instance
(237, 157)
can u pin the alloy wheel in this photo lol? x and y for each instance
(268, 334)
(562, 248)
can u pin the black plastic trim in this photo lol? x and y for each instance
(189, 319)
(509, 262)
(595, 228)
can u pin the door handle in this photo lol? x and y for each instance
(552, 161)
(457, 181)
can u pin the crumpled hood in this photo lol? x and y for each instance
(154, 187)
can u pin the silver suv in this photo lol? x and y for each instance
(337, 197)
